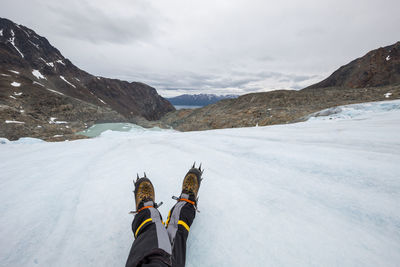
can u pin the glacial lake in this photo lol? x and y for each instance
(98, 129)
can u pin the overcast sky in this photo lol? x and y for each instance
(211, 46)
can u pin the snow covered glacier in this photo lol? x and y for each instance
(325, 192)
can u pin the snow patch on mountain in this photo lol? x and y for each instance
(50, 64)
(60, 62)
(54, 91)
(27, 34)
(32, 43)
(102, 101)
(15, 84)
(53, 121)
(34, 82)
(12, 41)
(38, 75)
(65, 80)
(12, 121)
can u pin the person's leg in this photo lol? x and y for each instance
(179, 221)
(152, 247)
(181, 216)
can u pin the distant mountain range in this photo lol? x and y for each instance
(198, 100)
(40, 88)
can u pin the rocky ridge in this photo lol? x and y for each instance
(379, 67)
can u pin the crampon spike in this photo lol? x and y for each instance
(145, 175)
(194, 163)
(137, 177)
(200, 167)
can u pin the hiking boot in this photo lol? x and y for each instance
(144, 191)
(191, 184)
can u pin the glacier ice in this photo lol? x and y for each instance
(316, 193)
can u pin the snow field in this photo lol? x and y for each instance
(319, 193)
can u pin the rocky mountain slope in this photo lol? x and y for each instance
(42, 94)
(378, 67)
(198, 99)
(374, 77)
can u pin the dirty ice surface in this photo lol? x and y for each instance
(325, 192)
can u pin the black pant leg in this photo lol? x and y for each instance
(179, 221)
(151, 247)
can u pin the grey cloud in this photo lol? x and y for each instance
(88, 22)
(301, 78)
(307, 32)
(266, 58)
